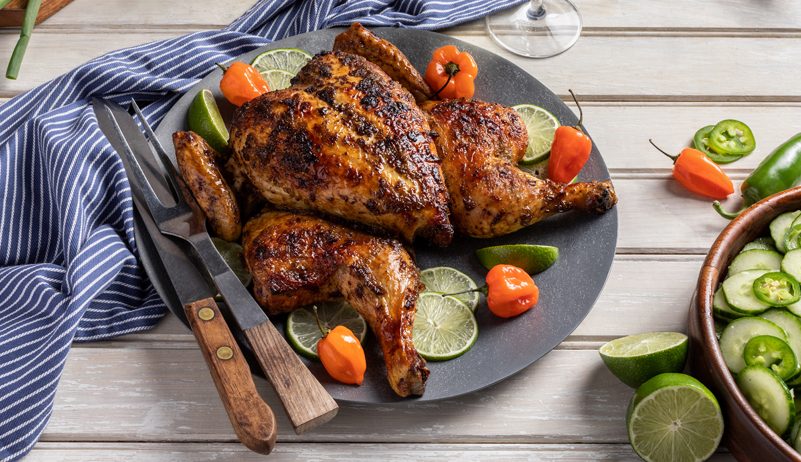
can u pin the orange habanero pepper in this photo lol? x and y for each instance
(341, 354)
(451, 73)
(241, 83)
(509, 291)
(570, 150)
(699, 174)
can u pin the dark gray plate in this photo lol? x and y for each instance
(568, 290)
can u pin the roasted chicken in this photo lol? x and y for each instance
(297, 259)
(480, 145)
(345, 140)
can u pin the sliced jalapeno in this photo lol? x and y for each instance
(777, 289)
(731, 137)
(701, 143)
(773, 353)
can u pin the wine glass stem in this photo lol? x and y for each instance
(535, 10)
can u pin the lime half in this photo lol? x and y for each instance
(304, 333)
(532, 259)
(637, 358)
(674, 417)
(447, 280)
(444, 327)
(541, 126)
(230, 252)
(291, 60)
(277, 79)
(206, 121)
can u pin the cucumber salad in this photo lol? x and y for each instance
(760, 305)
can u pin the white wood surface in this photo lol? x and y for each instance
(659, 69)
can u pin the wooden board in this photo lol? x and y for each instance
(14, 13)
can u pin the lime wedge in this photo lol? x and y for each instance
(447, 280)
(291, 60)
(637, 358)
(304, 333)
(444, 328)
(277, 79)
(532, 259)
(541, 126)
(230, 252)
(674, 417)
(206, 121)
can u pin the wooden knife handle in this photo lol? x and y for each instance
(306, 402)
(252, 418)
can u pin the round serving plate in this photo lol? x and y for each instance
(568, 290)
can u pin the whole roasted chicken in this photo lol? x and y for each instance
(298, 259)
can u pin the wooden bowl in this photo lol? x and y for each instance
(746, 436)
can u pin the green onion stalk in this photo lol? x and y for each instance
(24, 37)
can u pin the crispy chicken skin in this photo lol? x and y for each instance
(198, 163)
(297, 259)
(345, 140)
(480, 145)
(358, 40)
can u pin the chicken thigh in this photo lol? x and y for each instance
(298, 259)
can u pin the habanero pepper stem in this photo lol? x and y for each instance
(700, 175)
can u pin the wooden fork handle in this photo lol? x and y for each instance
(253, 420)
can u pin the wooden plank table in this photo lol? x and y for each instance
(658, 69)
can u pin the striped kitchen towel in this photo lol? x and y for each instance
(68, 262)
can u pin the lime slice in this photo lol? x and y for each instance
(637, 358)
(277, 79)
(532, 259)
(291, 60)
(674, 417)
(541, 126)
(444, 327)
(230, 252)
(446, 280)
(304, 333)
(206, 121)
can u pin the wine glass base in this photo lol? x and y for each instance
(548, 31)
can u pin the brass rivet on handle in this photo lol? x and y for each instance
(225, 352)
(206, 314)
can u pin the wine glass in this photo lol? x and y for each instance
(538, 29)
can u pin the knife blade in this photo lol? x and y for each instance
(252, 419)
(305, 401)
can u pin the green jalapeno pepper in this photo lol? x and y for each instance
(731, 137)
(772, 353)
(780, 170)
(701, 142)
(777, 289)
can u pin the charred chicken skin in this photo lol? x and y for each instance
(480, 145)
(345, 140)
(297, 259)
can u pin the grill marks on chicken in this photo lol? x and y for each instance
(480, 145)
(345, 140)
(297, 259)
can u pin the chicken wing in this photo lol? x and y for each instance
(297, 260)
(358, 40)
(198, 163)
(480, 145)
(348, 141)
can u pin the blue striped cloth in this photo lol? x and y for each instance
(68, 262)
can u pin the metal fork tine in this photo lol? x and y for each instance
(152, 200)
(167, 169)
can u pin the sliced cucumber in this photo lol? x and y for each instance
(779, 227)
(795, 440)
(739, 292)
(761, 243)
(791, 326)
(791, 263)
(738, 333)
(756, 259)
(722, 310)
(769, 397)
